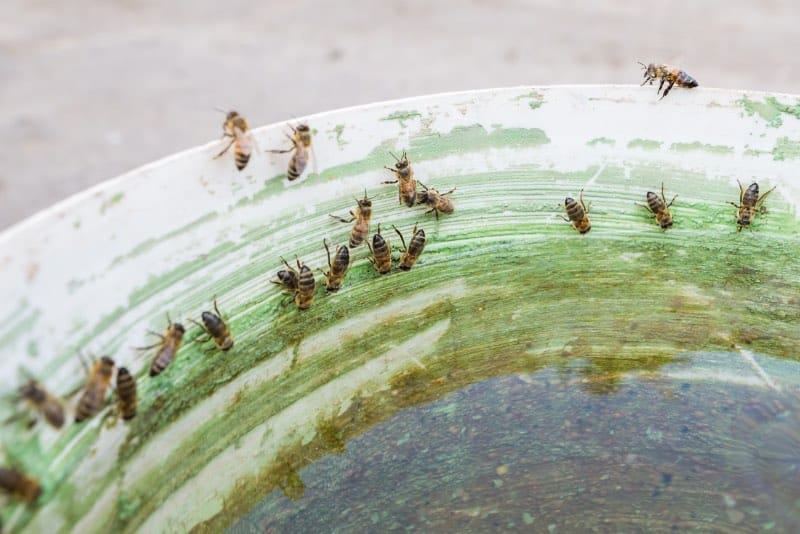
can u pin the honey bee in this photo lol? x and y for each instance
(126, 393)
(48, 405)
(301, 150)
(337, 269)
(94, 395)
(287, 278)
(235, 127)
(749, 204)
(407, 188)
(362, 216)
(435, 200)
(23, 487)
(667, 74)
(167, 347)
(215, 327)
(411, 254)
(381, 253)
(659, 207)
(306, 286)
(577, 213)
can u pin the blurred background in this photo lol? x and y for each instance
(89, 90)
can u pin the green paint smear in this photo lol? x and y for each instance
(770, 110)
(538, 295)
(646, 144)
(786, 149)
(402, 117)
(714, 149)
(601, 141)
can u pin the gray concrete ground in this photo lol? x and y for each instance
(89, 90)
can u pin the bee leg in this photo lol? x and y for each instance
(661, 85)
(219, 313)
(671, 201)
(390, 182)
(443, 194)
(434, 210)
(666, 91)
(342, 219)
(567, 220)
(226, 148)
(646, 207)
(403, 241)
(735, 205)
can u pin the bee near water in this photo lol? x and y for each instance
(577, 213)
(667, 74)
(215, 328)
(381, 253)
(236, 127)
(94, 394)
(301, 151)
(749, 204)
(411, 253)
(659, 207)
(406, 185)
(170, 342)
(336, 269)
(362, 216)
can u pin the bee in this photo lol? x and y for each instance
(48, 405)
(126, 393)
(576, 211)
(659, 207)
(287, 278)
(235, 127)
(381, 253)
(749, 203)
(362, 216)
(94, 395)
(167, 347)
(20, 485)
(301, 149)
(411, 254)
(435, 200)
(215, 327)
(337, 269)
(407, 188)
(667, 74)
(306, 286)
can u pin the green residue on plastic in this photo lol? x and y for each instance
(754, 152)
(646, 144)
(147, 245)
(18, 326)
(338, 130)
(111, 201)
(33, 348)
(402, 117)
(473, 138)
(770, 110)
(535, 99)
(786, 149)
(704, 147)
(601, 141)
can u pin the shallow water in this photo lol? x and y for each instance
(563, 450)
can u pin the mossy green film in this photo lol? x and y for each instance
(538, 294)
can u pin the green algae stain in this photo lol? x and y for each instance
(771, 110)
(786, 149)
(601, 141)
(473, 138)
(338, 130)
(703, 147)
(754, 152)
(402, 117)
(535, 99)
(116, 199)
(646, 144)
(32, 349)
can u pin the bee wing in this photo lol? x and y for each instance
(245, 140)
(314, 167)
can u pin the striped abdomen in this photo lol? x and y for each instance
(381, 255)
(168, 348)
(361, 227)
(306, 285)
(242, 149)
(685, 80)
(415, 248)
(577, 215)
(338, 269)
(126, 393)
(298, 162)
(218, 330)
(92, 399)
(407, 187)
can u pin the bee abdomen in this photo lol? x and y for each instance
(293, 173)
(656, 204)
(126, 393)
(87, 405)
(356, 238)
(241, 159)
(54, 414)
(574, 209)
(686, 80)
(213, 324)
(161, 361)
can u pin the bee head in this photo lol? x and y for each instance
(568, 201)
(107, 361)
(179, 328)
(364, 202)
